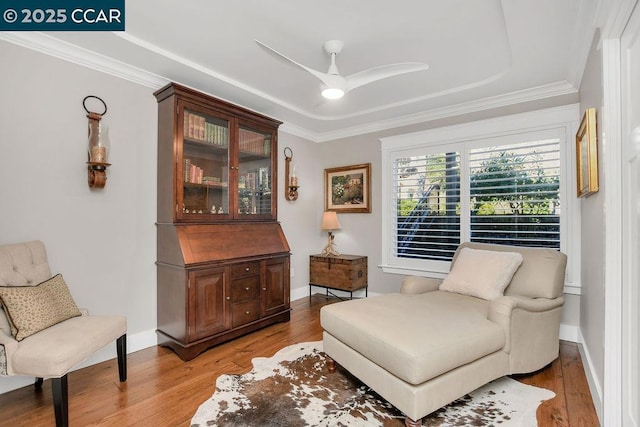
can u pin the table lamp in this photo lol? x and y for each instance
(330, 222)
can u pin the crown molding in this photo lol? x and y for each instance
(57, 48)
(301, 132)
(512, 98)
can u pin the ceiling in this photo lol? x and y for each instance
(481, 54)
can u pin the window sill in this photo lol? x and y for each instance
(410, 271)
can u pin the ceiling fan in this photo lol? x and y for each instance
(337, 85)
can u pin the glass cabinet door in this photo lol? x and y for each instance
(205, 166)
(255, 179)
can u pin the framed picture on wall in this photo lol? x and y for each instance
(587, 154)
(347, 189)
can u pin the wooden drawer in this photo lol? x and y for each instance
(245, 269)
(245, 312)
(344, 272)
(245, 289)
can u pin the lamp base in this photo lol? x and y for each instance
(330, 249)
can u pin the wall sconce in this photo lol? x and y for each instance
(291, 180)
(98, 149)
(330, 222)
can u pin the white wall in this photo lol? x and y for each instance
(593, 238)
(361, 233)
(102, 241)
(300, 219)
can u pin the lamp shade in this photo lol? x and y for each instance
(330, 221)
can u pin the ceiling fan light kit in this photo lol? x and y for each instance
(336, 85)
(333, 93)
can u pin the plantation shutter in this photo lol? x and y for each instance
(514, 194)
(427, 196)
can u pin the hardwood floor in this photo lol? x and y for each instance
(162, 390)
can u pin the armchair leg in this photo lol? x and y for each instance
(60, 400)
(121, 344)
(38, 383)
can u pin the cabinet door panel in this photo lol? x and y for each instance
(204, 166)
(275, 291)
(256, 186)
(209, 306)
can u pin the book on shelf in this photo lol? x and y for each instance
(190, 126)
(254, 142)
(197, 127)
(192, 173)
(187, 168)
(213, 180)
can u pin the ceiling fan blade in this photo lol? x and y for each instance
(382, 72)
(325, 78)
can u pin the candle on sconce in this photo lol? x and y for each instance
(290, 179)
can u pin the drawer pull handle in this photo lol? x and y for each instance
(247, 288)
(228, 298)
(247, 269)
(247, 313)
(264, 289)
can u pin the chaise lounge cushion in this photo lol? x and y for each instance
(480, 273)
(445, 330)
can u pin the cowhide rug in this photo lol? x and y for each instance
(294, 388)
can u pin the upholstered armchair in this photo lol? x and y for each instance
(42, 332)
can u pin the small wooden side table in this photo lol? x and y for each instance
(343, 273)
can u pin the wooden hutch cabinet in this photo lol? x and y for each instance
(223, 260)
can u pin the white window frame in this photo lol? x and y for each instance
(559, 122)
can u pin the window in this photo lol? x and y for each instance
(515, 194)
(497, 181)
(427, 198)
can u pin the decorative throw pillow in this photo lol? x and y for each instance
(4, 322)
(31, 309)
(480, 273)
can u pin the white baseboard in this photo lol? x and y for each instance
(594, 384)
(135, 342)
(14, 383)
(299, 293)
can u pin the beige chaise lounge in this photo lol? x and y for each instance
(424, 347)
